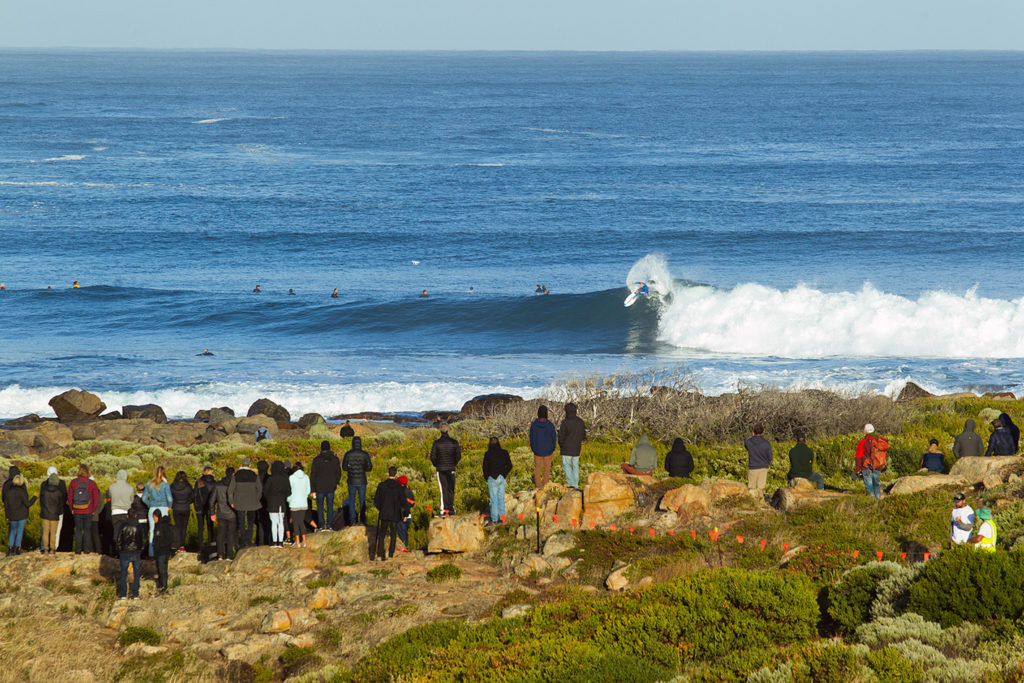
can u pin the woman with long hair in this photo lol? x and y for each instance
(157, 495)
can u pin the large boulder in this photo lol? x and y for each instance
(459, 534)
(608, 495)
(687, 501)
(482, 406)
(976, 469)
(724, 488)
(249, 425)
(31, 418)
(74, 405)
(44, 436)
(802, 492)
(149, 411)
(914, 483)
(911, 392)
(265, 406)
(310, 419)
(13, 449)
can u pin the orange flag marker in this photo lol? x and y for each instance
(763, 544)
(739, 539)
(879, 554)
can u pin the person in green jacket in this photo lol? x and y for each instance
(801, 462)
(642, 459)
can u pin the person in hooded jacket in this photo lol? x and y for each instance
(222, 512)
(130, 541)
(571, 435)
(356, 463)
(53, 494)
(678, 461)
(84, 500)
(9, 481)
(298, 503)
(642, 459)
(497, 466)
(1014, 430)
(16, 505)
(246, 497)
(1001, 440)
(276, 492)
(263, 516)
(389, 499)
(968, 444)
(445, 454)
(163, 546)
(324, 477)
(201, 493)
(120, 495)
(543, 439)
(181, 507)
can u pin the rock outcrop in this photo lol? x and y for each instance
(976, 469)
(264, 406)
(802, 492)
(310, 419)
(149, 411)
(915, 483)
(911, 392)
(687, 501)
(74, 405)
(482, 406)
(458, 534)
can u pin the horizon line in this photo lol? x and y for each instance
(510, 50)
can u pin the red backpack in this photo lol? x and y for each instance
(876, 452)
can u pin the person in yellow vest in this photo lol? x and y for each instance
(986, 538)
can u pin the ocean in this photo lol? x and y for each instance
(833, 220)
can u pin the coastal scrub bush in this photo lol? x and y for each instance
(894, 592)
(138, 634)
(387, 437)
(891, 630)
(833, 663)
(889, 665)
(850, 600)
(965, 584)
(105, 463)
(444, 572)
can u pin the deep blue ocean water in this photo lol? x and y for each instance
(838, 220)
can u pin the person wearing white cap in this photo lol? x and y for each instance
(870, 461)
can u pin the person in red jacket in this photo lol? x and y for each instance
(871, 477)
(84, 500)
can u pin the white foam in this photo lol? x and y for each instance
(67, 157)
(203, 121)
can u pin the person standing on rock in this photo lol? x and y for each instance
(53, 494)
(141, 510)
(16, 505)
(157, 496)
(84, 500)
(543, 439)
(163, 546)
(445, 454)
(222, 512)
(801, 462)
(642, 459)
(967, 443)
(497, 466)
(262, 515)
(870, 461)
(130, 540)
(679, 461)
(120, 494)
(276, 492)
(346, 431)
(181, 505)
(298, 503)
(403, 526)
(759, 459)
(356, 464)
(571, 435)
(201, 493)
(389, 499)
(245, 494)
(1001, 441)
(324, 476)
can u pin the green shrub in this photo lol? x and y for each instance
(890, 630)
(295, 660)
(889, 665)
(834, 663)
(965, 584)
(444, 572)
(387, 438)
(138, 634)
(850, 600)
(263, 600)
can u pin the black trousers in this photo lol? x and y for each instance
(227, 535)
(181, 526)
(247, 520)
(204, 523)
(446, 482)
(386, 528)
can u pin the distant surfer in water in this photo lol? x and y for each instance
(544, 290)
(291, 292)
(424, 295)
(74, 285)
(257, 290)
(334, 294)
(206, 352)
(539, 290)
(3, 287)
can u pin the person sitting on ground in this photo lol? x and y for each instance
(263, 434)
(346, 431)
(543, 439)
(1001, 441)
(801, 462)
(163, 546)
(497, 466)
(967, 443)
(759, 459)
(962, 522)
(1014, 430)
(389, 499)
(642, 459)
(986, 537)
(129, 540)
(931, 459)
(679, 461)
(298, 503)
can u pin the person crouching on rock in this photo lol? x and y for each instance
(642, 459)
(163, 545)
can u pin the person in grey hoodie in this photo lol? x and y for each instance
(759, 459)
(571, 435)
(121, 494)
(642, 459)
(968, 444)
(245, 493)
(52, 496)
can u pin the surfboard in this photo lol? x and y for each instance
(631, 299)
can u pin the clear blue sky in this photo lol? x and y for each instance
(517, 24)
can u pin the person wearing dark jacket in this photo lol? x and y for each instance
(324, 477)
(801, 462)
(389, 499)
(543, 439)
(403, 526)
(967, 443)
(356, 464)
(678, 461)
(201, 493)
(932, 459)
(222, 512)
(759, 459)
(346, 431)
(9, 481)
(141, 510)
(1012, 428)
(571, 435)
(163, 545)
(84, 501)
(16, 504)
(53, 496)
(181, 507)
(497, 466)
(445, 454)
(246, 498)
(276, 492)
(130, 540)
(263, 516)
(1001, 441)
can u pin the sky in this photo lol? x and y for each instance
(598, 25)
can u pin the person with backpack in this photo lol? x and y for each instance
(871, 460)
(246, 496)
(164, 538)
(298, 503)
(157, 496)
(222, 512)
(16, 505)
(276, 492)
(324, 477)
(403, 526)
(543, 439)
(445, 454)
(389, 499)
(84, 500)
(571, 435)
(1001, 441)
(120, 495)
(201, 493)
(497, 466)
(130, 541)
(356, 463)
(53, 495)
(181, 507)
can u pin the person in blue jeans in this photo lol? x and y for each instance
(130, 542)
(324, 477)
(497, 466)
(356, 464)
(403, 526)
(871, 476)
(16, 505)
